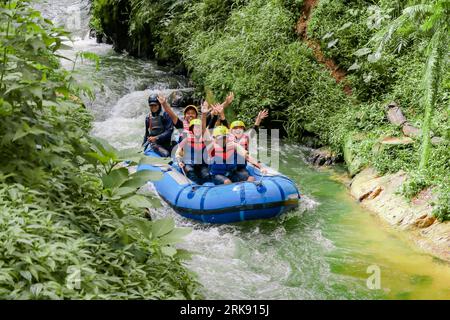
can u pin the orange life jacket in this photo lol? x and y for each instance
(223, 159)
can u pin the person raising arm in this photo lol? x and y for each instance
(189, 113)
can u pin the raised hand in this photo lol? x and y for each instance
(229, 99)
(162, 99)
(261, 116)
(218, 108)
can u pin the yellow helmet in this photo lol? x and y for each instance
(190, 107)
(195, 122)
(220, 131)
(237, 123)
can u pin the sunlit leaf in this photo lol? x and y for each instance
(169, 251)
(175, 236)
(137, 201)
(139, 178)
(115, 178)
(162, 227)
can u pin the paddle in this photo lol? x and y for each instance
(259, 183)
(146, 146)
(193, 188)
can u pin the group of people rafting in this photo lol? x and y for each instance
(220, 158)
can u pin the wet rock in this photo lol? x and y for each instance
(424, 221)
(394, 114)
(182, 98)
(371, 194)
(376, 192)
(322, 157)
(437, 140)
(411, 131)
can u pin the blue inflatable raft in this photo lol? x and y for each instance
(268, 197)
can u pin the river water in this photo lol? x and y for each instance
(330, 248)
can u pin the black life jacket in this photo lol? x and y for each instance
(155, 124)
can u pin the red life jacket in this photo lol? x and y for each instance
(194, 150)
(195, 143)
(223, 159)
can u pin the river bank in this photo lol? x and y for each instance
(379, 194)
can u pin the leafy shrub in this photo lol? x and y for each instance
(71, 223)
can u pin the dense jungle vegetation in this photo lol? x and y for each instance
(390, 50)
(71, 223)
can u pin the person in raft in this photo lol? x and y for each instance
(158, 128)
(224, 154)
(237, 129)
(189, 154)
(215, 113)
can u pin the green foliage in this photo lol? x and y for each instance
(429, 21)
(71, 223)
(258, 58)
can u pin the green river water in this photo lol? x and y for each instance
(320, 251)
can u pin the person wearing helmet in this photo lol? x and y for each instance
(158, 128)
(189, 154)
(237, 129)
(224, 153)
(189, 113)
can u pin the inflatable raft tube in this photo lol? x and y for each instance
(269, 196)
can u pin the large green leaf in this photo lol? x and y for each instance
(96, 156)
(175, 236)
(144, 226)
(105, 148)
(169, 251)
(124, 191)
(139, 178)
(20, 133)
(115, 178)
(137, 201)
(162, 227)
(132, 155)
